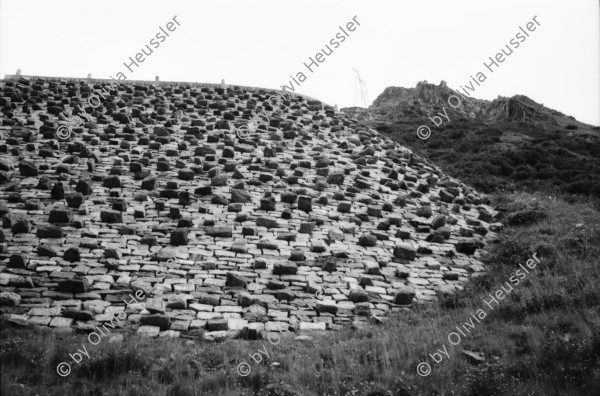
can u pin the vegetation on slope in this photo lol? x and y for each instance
(543, 339)
(509, 156)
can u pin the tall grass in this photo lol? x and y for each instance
(543, 339)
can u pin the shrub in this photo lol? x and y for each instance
(525, 217)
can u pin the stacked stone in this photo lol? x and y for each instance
(220, 234)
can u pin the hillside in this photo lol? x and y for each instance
(506, 144)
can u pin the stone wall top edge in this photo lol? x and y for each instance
(149, 82)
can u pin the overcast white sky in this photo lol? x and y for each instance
(261, 43)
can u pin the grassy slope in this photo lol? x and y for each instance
(509, 156)
(543, 339)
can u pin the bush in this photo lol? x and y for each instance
(525, 217)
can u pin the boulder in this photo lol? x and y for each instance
(404, 295)
(287, 268)
(405, 252)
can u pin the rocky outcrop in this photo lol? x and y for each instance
(402, 104)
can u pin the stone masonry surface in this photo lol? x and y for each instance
(223, 236)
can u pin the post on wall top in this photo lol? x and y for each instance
(156, 78)
(18, 72)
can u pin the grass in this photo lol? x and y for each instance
(542, 339)
(508, 156)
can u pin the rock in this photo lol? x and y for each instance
(367, 240)
(155, 305)
(33, 204)
(240, 196)
(188, 174)
(218, 181)
(9, 299)
(161, 321)
(266, 243)
(73, 285)
(297, 255)
(318, 247)
(451, 276)
(362, 309)
(217, 325)
(372, 268)
(405, 252)
(5, 165)
(111, 216)
(344, 207)
(148, 331)
(474, 357)
(57, 192)
(374, 210)
(72, 255)
(215, 336)
(176, 301)
(84, 187)
(336, 178)
(21, 226)
(268, 204)
(149, 183)
(446, 197)
(329, 265)
(358, 295)
(179, 236)
(234, 280)
(77, 314)
(170, 333)
(288, 197)
(285, 295)
(276, 285)
(46, 251)
(63, 215)
(74, 200)
(305, 203)
(111, 182)
(237, 324)
(287, 268)
(404, 295)
(425, 211)
(307, 227)
(27, 169)
(485, 216)
(466, 246)
(219, 232)
(49, 232)
(266, 222)
(438, 221)
(327, 306)
(18, 261)
(245, 299)
(307, 326)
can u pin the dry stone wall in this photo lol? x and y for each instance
(155, 212)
